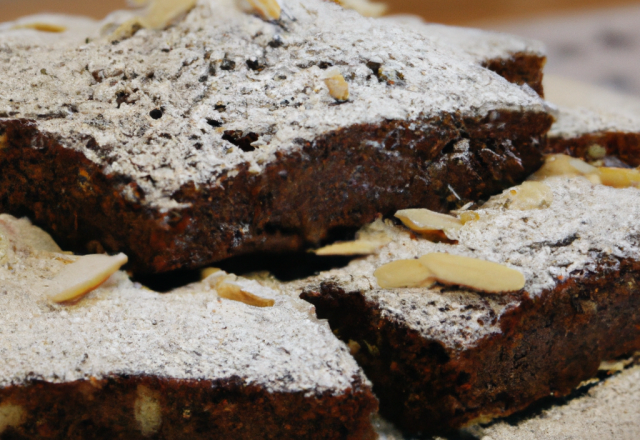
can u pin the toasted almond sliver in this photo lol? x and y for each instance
(338, 87)
(527, 196)
(403, 273)
(84, 275)
(476, 274)
(357, 247)
(424, 220)
(42, 27)
(234, 292)
(619, 177)
(268, 9)
(208, 271)
(469, 216)
(162, 12)
(560, 165)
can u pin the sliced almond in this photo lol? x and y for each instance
(473, 273)
(357, 247)
(84, 275)
(469, 216)
(403, 273)
(162, 12)
(338, 87)
(227, 287)
(4, 141)
(424, 220)
(365, 8)
(234, 292)
(562, 165)
(268, 9)
(207, 272)
(42, 27)
(619, 177)
(528, 195)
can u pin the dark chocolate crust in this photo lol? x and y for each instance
(548, 345)
(520, 68)
(625, 146)
(104, 409)
(342, 179)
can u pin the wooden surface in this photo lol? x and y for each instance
(445, 11)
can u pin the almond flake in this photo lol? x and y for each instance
(207, 272)
(403, 273)
(4, 141)
(528, 195)
(227, 287)
(267, 9)
(42, 27)
(357, 247)
(162, 12)
(365, 8)
(338, 87)
(473, 273)
(619, 177)
(424, 220)
(84, 275)
(234, 292)
(469, 216)
(562, 165)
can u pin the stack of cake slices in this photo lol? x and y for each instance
(192, 131)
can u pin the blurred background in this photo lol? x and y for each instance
(596, 41)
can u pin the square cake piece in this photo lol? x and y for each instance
(127, 362)
(448, 356)
(594, 123)
(229, 132)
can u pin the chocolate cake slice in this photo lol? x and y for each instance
(226, 133)
(447, 356)
(127, 362)
(518, 60)
(593, 123)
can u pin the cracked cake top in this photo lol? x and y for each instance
(163, 106)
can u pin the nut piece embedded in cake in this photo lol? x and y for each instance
(404, 273)
(11, 416)
(473, 273)
(338, 87)
(528, 195)
(424, 220)
(84, 275)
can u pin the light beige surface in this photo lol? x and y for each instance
(608, 411)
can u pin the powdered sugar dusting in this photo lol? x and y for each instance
(191, 333)
(221, 69)
(586, 109)
(584, 223)
(479, 45)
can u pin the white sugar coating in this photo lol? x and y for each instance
(479, 45)
(586, 109)
(124, 329)
(107, 91)
(584, 223)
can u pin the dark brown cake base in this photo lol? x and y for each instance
(548, 345)
(341, 180)
(105, 409)
(520, 68)
(625, 146)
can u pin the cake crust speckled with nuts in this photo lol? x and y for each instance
(445, 356)
(180, 152)
(129, 362)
